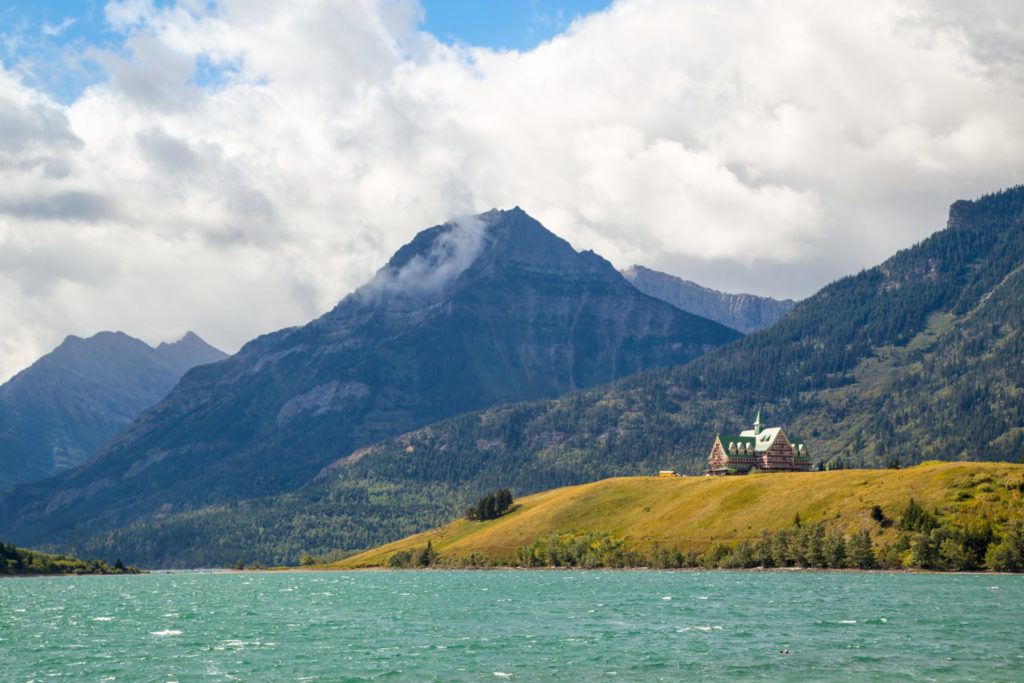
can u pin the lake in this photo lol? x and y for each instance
(518, 625)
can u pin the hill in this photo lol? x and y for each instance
(64, 406)
(744, 312)
(696, 514)
(21, 562)
(486, 310)
(915, 359)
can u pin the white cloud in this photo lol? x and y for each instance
(54, 30)
(247, 164)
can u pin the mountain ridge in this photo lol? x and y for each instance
(744, 312)
(54, 413)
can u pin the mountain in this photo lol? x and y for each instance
(918, 358)
(691, 515)
(744, 312)
(56, 412)
(486, 310)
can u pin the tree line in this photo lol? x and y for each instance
(19, 561)
(924, 541)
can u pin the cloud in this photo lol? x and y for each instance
(246, 163)
(413, 278)
(54, 30)
(68, 206)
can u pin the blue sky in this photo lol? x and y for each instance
(507, 24)
(44, 39)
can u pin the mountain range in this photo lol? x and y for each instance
(918, 358)
(64, 406)
(486, 310)
(744, 312)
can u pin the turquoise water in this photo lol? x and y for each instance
(527, 625)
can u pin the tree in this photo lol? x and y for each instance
(491, 506)
(916, 518)
(504, 500)
(781, 552)
(859, 551)
(814, 546)
(400, 560)
(924, 549)
(1008, 554)
(763, 550)
(954, 556)
(426, 557)
(835, 550)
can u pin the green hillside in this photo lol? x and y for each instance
(698, 516)
(22, 562)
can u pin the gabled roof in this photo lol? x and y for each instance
(764, 440)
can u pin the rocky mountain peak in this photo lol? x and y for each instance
(56, 412)
(987, 212)
(456, 255)
(189, 351)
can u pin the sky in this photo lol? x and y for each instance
(237, 166)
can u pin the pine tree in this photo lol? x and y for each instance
(835, 550)
(859, 551)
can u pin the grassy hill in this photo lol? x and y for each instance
(699, 513)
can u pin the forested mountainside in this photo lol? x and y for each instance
(488, 310)
(744, 312)
(64, 406)
(916, 359)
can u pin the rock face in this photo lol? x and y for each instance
(744, 312)
(487, 310)
(58, 411)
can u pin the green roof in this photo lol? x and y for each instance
(735, 438)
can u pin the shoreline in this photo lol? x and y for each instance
(510, 568)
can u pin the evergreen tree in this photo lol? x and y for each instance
(916, 518)
(835, 550)
(859, 551)
(814, 546)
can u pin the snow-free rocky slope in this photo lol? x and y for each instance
(56, 412)
(487, 310)
(744, 312)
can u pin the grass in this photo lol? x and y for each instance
(694, 513)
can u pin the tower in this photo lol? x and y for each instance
(758, 425)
